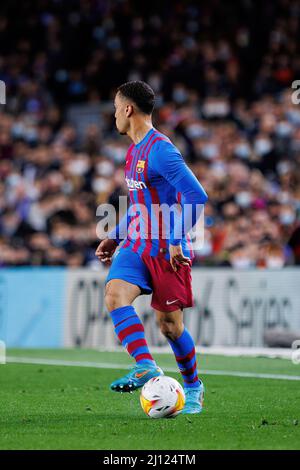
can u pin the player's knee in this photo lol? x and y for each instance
(171, 329)
(113, 299)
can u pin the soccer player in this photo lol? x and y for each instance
(155, 257)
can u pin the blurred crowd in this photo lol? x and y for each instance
(222, 72)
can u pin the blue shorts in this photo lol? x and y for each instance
(128, 266)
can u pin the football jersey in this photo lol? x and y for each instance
(161, 187)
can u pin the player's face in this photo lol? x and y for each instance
(122, 113)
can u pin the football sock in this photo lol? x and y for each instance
(184, 350)
(131, 333)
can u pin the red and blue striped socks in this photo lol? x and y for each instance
(131, 333)
(184, 350)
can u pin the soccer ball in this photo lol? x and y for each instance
(162, 397)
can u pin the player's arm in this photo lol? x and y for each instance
(107, 247)
(119, 233)
(192, 201)
(169, 163)
(193, 198)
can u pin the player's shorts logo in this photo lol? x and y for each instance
(140, 166)
(169, 302)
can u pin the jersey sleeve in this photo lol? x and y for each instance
(119, 233)
(166, 160)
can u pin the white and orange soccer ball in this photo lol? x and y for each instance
(162, 397)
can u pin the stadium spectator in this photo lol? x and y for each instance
(222, 75)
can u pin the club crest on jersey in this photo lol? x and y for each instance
(140, 166)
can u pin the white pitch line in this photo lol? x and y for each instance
(101, 365)
(234, 351)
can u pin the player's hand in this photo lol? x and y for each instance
(106, 250)
(177, 257)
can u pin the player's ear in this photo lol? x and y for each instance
(129, 110)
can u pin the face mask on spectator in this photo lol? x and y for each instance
(210, 151)
(283, 129)
(179, 95)
(287, 218)
(105, 168)
(216, 109)
(17, 130)
(100, 185)
(274, 262)
(14, 180)
(283, 168)
(262, 147)
(59, 241)
(195, 130)
(119, 154)
(206, 249)
(219, 169)
(242, 151)
(294, 116)
(78, 167)
(30, 135)
(243, 199)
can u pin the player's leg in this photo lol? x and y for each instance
(172, 292)
(119, 295)
(172, 327)
(127, 279)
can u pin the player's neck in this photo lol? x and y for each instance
(139, 129)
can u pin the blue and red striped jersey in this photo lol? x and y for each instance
(158, 179)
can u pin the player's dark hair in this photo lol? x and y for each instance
(140, 93)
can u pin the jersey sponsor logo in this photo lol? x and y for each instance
(133, 184)
(140, 166)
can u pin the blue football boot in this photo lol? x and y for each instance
(194, 398)
(136, 378)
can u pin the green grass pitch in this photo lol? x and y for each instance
(63, 407)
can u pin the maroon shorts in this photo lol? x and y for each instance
(172, 290)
